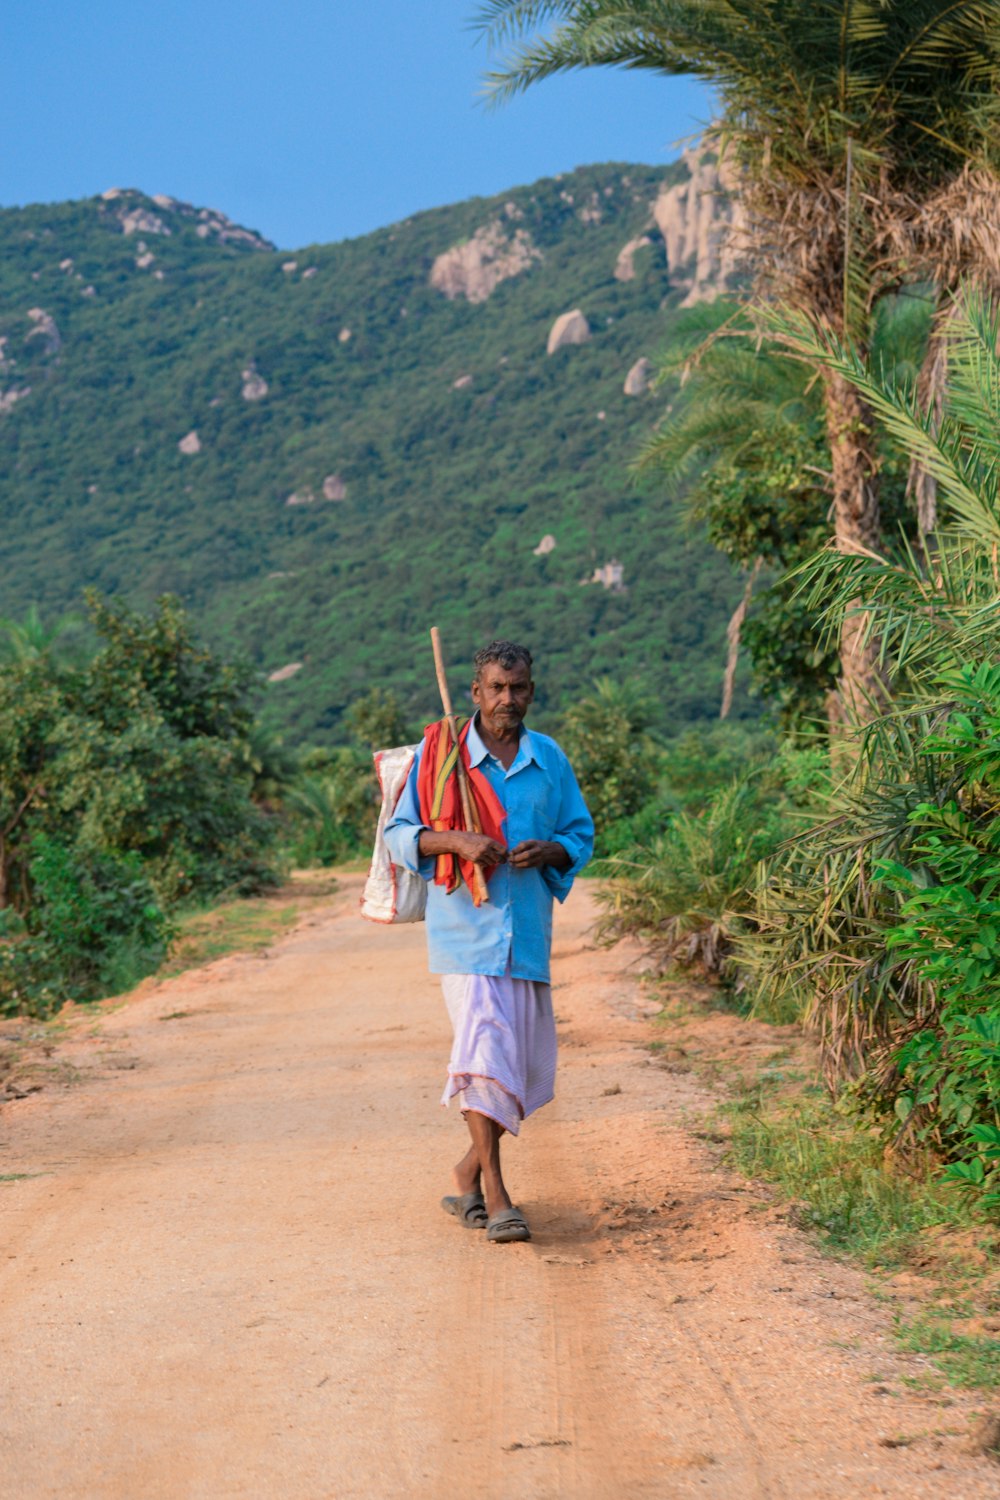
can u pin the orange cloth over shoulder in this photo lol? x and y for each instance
(441, 801)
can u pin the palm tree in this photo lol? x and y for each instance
(864, 138)
(741, 447)
(822, 923)
(30, 639)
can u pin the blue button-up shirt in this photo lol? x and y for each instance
(542, 801)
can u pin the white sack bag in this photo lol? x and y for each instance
(392, 894)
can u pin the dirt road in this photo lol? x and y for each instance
(228, 1276)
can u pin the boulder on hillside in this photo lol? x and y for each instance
(334, 488)
(472, 270)
(44, 330)
(637, 379)
(254, 385)
(9, 399)
(141, 221)
(545, 546)
(610, 575)
(301, 497)
(190, 443)
(283, 673)
(569, 328)
(625, 264)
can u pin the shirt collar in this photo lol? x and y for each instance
(478, 751)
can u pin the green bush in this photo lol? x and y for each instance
(95, 927)
(613, 757)
(334, 806)
(686, 891)
(947, 1088)
(127, 784)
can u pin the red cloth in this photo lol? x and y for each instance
(441, 803)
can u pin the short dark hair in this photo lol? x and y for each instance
(505, 653)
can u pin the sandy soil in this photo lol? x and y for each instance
(228, 1274)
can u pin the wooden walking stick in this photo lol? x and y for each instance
(468, 810)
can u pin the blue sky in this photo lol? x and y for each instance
(308, 121)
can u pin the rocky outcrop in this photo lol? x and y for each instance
(141, 221)
(568, 328)
(462, 383)
(474, 269)
(135, 213)
(592, 211)
(9, 399)
(213, 224)
(698, 220)
(283, 673)
(334, 488)
(545, 546)
(254, 385)
(625, 264)
(44, 334)
(190, 443)
(301, 497)
(344, 336)
(610, 575)
(637, 379)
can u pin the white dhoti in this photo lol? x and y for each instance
(503, 1058)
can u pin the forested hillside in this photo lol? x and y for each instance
(322, 452)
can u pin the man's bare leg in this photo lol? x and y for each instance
(466, 1175)
(486, 1135)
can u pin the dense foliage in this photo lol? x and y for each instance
(743, 449)
(878, 922)
(125, 786)
(605, 737)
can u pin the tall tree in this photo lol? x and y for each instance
(863, 137)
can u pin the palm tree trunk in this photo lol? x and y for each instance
(931, 384)
(857, 528)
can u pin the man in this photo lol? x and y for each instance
(493, 954)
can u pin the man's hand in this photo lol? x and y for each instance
(478, 848)
(532, 854)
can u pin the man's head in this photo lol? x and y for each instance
(502, 688)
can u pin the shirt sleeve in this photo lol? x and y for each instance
(402, 831)
(574, 830)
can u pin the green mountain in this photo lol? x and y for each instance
(325, 452)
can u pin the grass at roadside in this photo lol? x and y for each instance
(244, 925)
(862, 1202)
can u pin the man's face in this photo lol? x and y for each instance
(502, 696)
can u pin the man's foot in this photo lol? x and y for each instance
(507, 1225)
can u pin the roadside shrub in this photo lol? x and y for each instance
(686, 891)
(613, 757)
(946, 1087)
(334, 805)
(94, 927)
